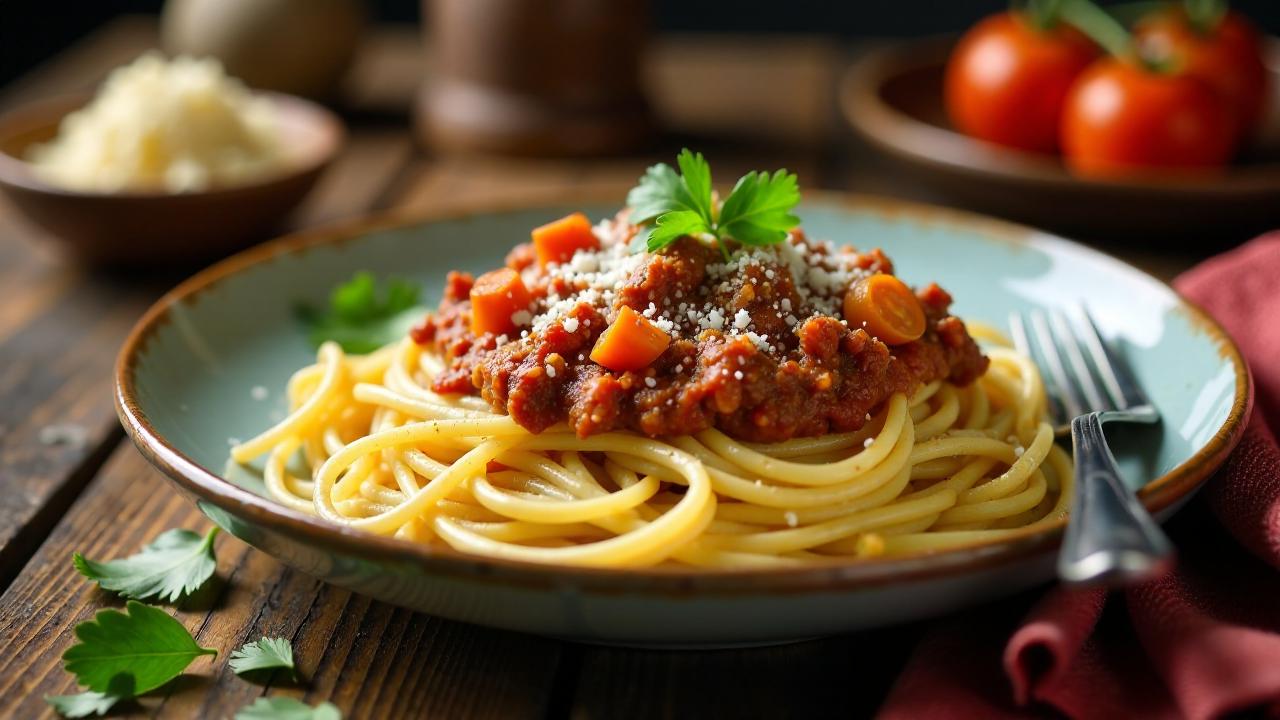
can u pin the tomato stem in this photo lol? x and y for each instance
(1129, 13)
(1204, 15)
(724, 249)
(1043, 14)
(1100, 26)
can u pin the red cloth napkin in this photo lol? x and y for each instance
(1202, 642)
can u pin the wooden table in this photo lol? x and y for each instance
(69, 482)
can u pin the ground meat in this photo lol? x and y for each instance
(663, 275)
(802, 373)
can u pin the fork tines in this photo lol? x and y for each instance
(1081, 373)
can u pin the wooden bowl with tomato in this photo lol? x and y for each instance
(1164, 129)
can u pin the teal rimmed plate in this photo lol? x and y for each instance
(191, 378)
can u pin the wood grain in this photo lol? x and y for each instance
(57, 412)
(60, 326)
(803, 680)
(359, 179)
(371, 659)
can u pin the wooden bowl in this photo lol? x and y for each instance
(893, 97)
(158, 228)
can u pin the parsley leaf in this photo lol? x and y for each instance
(656, 194)
(696, 174)
(91, 702)
(287, 708)
(81, 705)
(147, 644)
(265, 654)
(668, 228)
(359, 318)
(669, 206)
(174, 565)
(758, 211)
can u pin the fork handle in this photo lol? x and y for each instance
(1111, 539)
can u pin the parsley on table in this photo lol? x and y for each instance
(670, 206)
(91, 702)
(287, 708)
(360, 318)
(173, 566)
(143, 642)
(265, 654)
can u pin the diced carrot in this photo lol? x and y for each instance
(631, 342)
(495, 297)
(556, 242)
(886, 308)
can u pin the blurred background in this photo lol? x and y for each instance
(429, 104)
(29, 31)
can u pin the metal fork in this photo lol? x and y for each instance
(1110, 539)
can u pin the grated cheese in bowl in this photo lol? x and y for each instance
(177, 126)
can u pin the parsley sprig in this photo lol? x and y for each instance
(124, 654)
(120, 656)
(264, 656)
(361, 317)
(670, 206)
(287, 708)
(172, 567)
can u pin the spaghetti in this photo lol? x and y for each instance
(943, 467)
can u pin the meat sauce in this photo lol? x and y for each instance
(759, 349)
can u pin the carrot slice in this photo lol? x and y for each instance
(886, 308)
(558, 241)
(495, 297)
(631, 342)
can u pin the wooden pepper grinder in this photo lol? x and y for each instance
(535, 77)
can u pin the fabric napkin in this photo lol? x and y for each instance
(1203, 642)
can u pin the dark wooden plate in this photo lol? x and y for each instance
(893, 97)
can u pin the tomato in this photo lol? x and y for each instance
(1006, 80)
(886, 308)
(1122, 118)
(1227, 57)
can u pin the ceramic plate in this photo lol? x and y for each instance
(186, 379)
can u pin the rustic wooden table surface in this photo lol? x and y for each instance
(69, 481)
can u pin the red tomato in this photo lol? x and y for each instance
(1228, 57)
(1124, 119)
(1006, 80)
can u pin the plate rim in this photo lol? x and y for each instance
(202, 484)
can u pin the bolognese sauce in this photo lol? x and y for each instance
(759, 343)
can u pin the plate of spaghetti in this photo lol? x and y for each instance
(683, 419)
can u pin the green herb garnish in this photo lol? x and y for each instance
(265, 654)
(91, 702)
(145, 643)
(287, 708)
(361, 319)
(670, 206)
(173, 566)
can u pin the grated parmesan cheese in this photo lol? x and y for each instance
(818, 277)
(180, 125)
